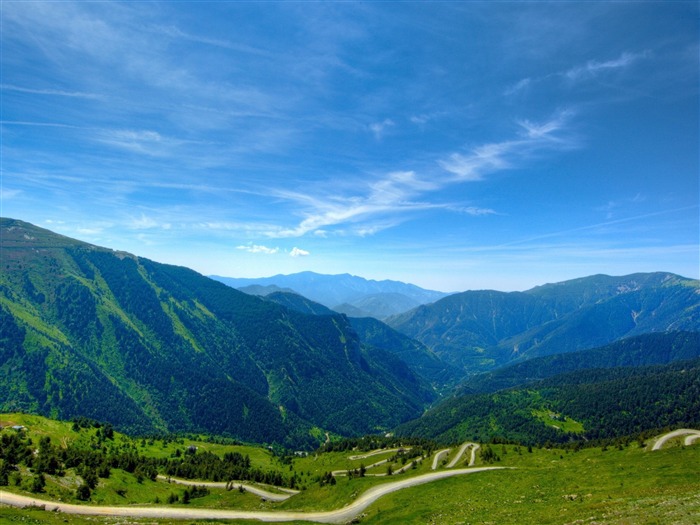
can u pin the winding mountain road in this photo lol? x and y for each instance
(270, 496)
(377, 452)
(690, 433)
(461, 452)
(341, 515)
(438, 456)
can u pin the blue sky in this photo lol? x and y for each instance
(455, 145)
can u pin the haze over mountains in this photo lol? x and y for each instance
(343, 293)
(88, 331)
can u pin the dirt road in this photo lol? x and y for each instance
(691, 434)
(438, 456)
(460, 453)
(270, 496)
(342, 515)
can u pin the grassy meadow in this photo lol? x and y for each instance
(618, 484)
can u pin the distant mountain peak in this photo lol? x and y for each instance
(346, 292)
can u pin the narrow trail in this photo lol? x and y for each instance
(342, 515)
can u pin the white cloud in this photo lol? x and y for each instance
(475, 211)
(54, 92)
(392, 194)
(143, 223)
(519, 86)
(590, 69)
(298, 252)
(89, 231)
(593, 67)
(379, 128)
(497, 156)
(6, 194)
(388, 201)
(139, 141)
(257, 248)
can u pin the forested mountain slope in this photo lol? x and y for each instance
(641, 350)
(375, 333)
(87, 331)
(482, 330)
(590, 404)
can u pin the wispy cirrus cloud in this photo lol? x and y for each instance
(581, 72)
(51, 92)
(7, 194)
(147, 142)
(394, 194)
(487, 158)
(145, 222)
(594, 67)
(397, 196)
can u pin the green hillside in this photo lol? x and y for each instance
(483, 330)
(89, 464)
(642, 350)
(585, 404)
(87, 331)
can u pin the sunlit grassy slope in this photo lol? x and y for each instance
(625, 484)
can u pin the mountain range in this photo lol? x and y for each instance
(345, 293)
(486, 329)
(149, 347)
(87, 331)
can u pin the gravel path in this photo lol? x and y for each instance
(270, 496)
(438, 456)
(376, 452)
(460, 453)
(342, 515)
(690, 432)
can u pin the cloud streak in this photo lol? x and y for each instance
(399, 195)
(581, 72)
(594, 67)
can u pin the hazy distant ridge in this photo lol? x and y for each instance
(375, 298)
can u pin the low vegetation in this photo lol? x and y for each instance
(89, 463)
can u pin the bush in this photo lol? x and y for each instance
(83, 492)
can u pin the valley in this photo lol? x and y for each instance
(151, 392)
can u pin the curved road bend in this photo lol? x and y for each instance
(690, 432)
(459, 454)
(438, 456)
(690, 439)
(270, 496)
(342, 515)
(472, 459)
(377, 452)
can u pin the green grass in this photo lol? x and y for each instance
(563, 423)
(630, 485)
